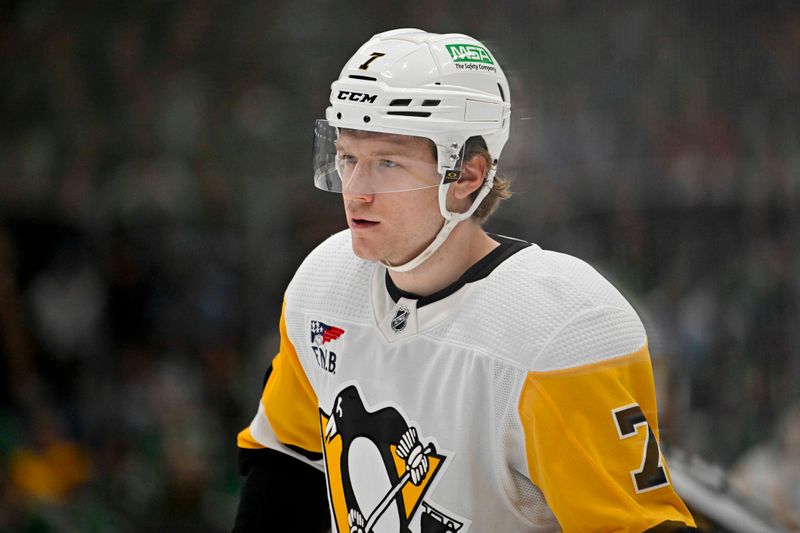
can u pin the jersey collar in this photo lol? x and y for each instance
(400, 314)
(508, 247)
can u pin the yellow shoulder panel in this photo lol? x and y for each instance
(591, 436)
(289, 402)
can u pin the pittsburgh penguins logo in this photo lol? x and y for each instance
(379, 468)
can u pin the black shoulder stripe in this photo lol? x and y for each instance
(311, 456)
(266, 376)
(248, 458)
(671, 526)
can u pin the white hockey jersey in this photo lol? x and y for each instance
(518, 399)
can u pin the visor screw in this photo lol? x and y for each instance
(454, 146)
(366, 118)
(453, 157)
(338, 115)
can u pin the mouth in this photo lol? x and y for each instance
(362, 223)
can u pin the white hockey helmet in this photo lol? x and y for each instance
(443, 87)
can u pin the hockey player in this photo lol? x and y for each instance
(433, 377)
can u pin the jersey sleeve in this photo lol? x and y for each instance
(287, 416)
(591, 439)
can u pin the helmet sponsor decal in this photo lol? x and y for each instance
(469, 53)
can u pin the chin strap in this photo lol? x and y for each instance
(451, 219)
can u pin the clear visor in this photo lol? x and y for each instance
(361, 162)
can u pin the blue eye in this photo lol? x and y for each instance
(388, 163)
(347, 159)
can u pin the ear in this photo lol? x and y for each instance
(473, 173)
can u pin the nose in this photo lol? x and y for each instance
(357, 181)
(362, 197)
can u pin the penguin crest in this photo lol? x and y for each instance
(378, 466)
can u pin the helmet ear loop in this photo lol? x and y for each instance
(450, 176)
(454, 176)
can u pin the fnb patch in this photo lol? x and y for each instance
(321, 334)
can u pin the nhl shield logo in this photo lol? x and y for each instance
(400, 319)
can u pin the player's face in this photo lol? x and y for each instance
(392, 227)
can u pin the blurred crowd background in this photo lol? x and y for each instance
(156, 197)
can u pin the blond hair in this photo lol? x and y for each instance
(501, 188)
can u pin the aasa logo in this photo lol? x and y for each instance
(469, 53)
(354, 96)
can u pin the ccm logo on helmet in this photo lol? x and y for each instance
(357, 97)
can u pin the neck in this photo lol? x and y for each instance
(465, 246)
